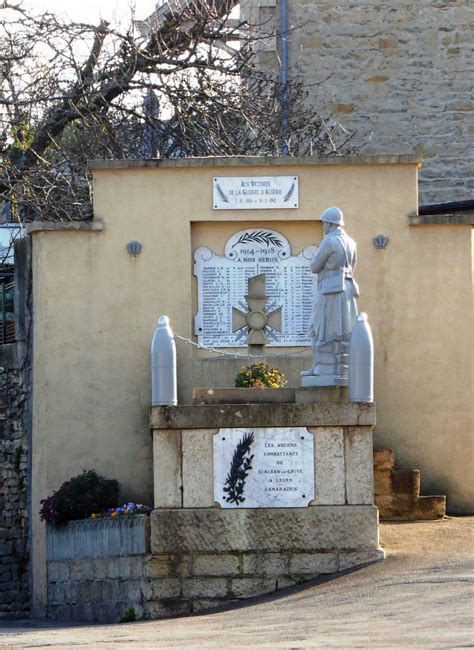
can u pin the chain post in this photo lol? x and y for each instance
(236, 355)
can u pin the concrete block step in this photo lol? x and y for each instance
(383, 459)
(397, 481)
(408, 508)
(397, 492)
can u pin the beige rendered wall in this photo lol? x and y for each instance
(96, 309)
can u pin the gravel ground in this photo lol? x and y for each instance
(421, 596)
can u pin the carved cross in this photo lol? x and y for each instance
(256, 318)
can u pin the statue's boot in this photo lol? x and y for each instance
(309, 372)
(324, 363)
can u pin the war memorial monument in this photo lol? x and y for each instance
(254, 489)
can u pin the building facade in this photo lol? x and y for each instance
(397, 72)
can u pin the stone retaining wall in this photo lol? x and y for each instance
(14, 552)
(96, 589)
(181, 579)
(15, 375)
(101, 590)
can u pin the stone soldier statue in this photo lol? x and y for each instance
(334, 308)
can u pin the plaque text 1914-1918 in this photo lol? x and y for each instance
(222, 284)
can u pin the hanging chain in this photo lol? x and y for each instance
(236, 354)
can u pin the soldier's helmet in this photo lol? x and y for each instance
(333, 215)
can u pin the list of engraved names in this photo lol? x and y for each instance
(223, 284)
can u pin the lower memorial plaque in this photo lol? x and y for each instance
(264, 467)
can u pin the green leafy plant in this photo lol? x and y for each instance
(129, 616)
(79, 497)
(17, 458)
(260, 375)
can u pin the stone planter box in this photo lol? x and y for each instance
(96, 538)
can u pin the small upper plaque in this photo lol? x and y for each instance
(264, 467)
(255, 192)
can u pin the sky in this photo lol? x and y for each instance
(90, 11)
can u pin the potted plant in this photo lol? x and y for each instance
(260, 375)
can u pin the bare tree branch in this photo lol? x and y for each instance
(73, 91)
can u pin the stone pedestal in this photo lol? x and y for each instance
(211, 556)
(311, 381)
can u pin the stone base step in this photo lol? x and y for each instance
(407, 508)
(397, 492)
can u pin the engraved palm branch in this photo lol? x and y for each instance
(239, 469)
(259, 237)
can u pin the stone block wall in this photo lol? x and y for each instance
(96, 589)
(15, 375)
(179, 579)
(397, 72)
(189, 582)
(101, 590)
(14, 451)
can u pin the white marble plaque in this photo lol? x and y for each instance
(255, 192)
(264, 467)
(222, 284)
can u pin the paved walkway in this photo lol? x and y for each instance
(421, 596)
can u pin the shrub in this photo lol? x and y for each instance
(79, 497)
(260, 375)
(129, 616)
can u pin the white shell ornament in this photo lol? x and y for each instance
(134, 247)
(380, 241)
